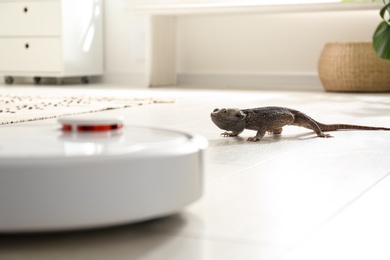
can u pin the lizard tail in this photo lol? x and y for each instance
(333, 127)
(304, 120)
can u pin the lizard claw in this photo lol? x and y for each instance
(253, 139)
(227, 134)
(326, 135)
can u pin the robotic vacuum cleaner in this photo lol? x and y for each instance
(89, 171)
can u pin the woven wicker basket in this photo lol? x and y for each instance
(353, 67)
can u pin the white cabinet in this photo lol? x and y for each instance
(51, 38)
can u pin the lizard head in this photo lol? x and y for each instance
(230, 119)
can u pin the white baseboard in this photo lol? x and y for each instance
(131, 79)
(290, 81)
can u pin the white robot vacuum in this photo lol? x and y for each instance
(88, 172)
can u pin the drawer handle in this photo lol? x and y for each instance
(25, 9)
(27, 45)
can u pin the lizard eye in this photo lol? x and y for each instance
(216, 110)
(239, 114)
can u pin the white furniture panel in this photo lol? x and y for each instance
(51, 38)
(30, 54)
(189, 7)
(30, 18)
(160, 48)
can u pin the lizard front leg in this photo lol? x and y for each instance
(258, 136)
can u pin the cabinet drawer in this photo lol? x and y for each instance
(30, 18)
(30, 55)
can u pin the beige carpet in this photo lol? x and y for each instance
(22, 108)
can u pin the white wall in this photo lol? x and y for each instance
(254, 50)
(233, 50)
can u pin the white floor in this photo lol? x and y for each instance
(290, 197)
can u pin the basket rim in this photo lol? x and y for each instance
(349, 43)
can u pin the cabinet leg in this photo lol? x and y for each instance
(37, 80)
(8, 80)
(59, 81)
(85, 79)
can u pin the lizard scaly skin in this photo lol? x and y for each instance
(272, 119)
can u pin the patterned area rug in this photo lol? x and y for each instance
(19, 108)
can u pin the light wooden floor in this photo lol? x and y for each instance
(294, 196)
